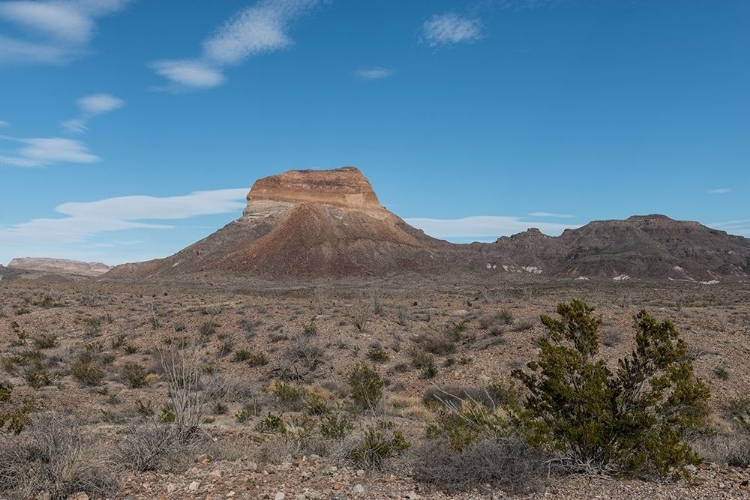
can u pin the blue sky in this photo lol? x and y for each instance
(132, 128)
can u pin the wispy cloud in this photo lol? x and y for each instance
(189, 74)
(739, 227)
(553, 215)
(374, 73)
(719, 191)
(450, 28)
(91, 106)
(51, 32)
(483, 227)
(40, 152)
(85, 219)
(4, 124)
(255, 30)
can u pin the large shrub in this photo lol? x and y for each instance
(635, 419)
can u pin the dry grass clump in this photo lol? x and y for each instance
(510, 464)
(54, 459)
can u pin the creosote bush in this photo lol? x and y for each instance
(379, 443)
(633, 420)
(366, 386)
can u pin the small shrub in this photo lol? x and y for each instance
(721, 373)
(37, 378)
(118, 341)
(225, 349)
(45, 341)
(316, 404)
(509, 464)
(241, 355)
(378, 355)
(86, 370)
(335, 427)
(257, 359)
(272, 424)
(361, 314)
(379, 443)
(147, 447)
(135, 375)
(56, 458)
(366, 386)
(426, 363)
(289, 396)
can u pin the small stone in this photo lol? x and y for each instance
(358, 489)
(45, 495)
(252, 466)
(79, 496)
(231, 494)
(215, 474)
(279, 496)
(412, 495)
(205, 458)
(194, 486)
(360, 473)
(171, 487)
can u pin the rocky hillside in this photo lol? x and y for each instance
(306, 223)
(651, 246)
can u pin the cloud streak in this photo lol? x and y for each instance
(85, 219)
(719, 191)
(43, 151)
(483, 227)
(255, 30)
(91, 106)
(51, 32)
(449, 29)
(552, 215)
(374, 73)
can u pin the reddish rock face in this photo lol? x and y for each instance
(343, 187)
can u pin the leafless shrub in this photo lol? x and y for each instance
(148, 447)
(510, 464)
(54, 459)
(361, 313)
(188, 394)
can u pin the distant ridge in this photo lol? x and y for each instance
(329, 223)
(64, 266)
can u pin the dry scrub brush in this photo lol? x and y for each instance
(55, 459)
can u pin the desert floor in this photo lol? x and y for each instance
(93, 353)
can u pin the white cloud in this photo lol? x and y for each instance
(549, 214)
(97, 104)
(85, 219)
(375, 73)
(252, 31)
(189, 74)
(91, 106)
(60, 29)
(38, 152)
(450, 28)
(720, 191)
(13, 51)
(483, 227)
(739, 227)
(4, 124)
